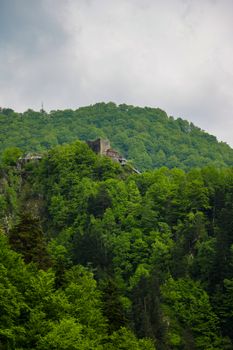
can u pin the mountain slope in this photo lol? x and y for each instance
(147, 136)
(108, 258)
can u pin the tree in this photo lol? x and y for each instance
(11, 155)
(28, 239)
(189, 315)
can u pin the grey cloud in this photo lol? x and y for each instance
(175, 54)
(28, 26)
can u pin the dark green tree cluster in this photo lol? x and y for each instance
(115, 260)
(147, 136)
(35, 314)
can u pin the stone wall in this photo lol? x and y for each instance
(99, 146)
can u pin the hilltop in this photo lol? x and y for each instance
(147, 136)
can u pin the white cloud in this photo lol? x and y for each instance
(174, 54)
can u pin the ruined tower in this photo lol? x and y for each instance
(99, 146)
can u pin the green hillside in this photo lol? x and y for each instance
(147, 136)
(93, 257)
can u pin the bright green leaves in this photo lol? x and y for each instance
(188, 311)
(125, 340)
(84, 298)
(10, 156)
(67, 335)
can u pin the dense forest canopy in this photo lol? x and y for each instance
(147, 136)
(96, 257)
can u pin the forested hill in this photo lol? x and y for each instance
(93, 257)
(147, 136)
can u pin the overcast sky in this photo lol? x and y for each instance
(172, 54)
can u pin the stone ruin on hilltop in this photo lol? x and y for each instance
(103, 148)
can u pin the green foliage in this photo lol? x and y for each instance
(36, 315)
(125, 340)
(147, 136)
(189, 316)
(9, 205)
(67, 334)
(100, 258)
(27, 238)
(11, 155)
